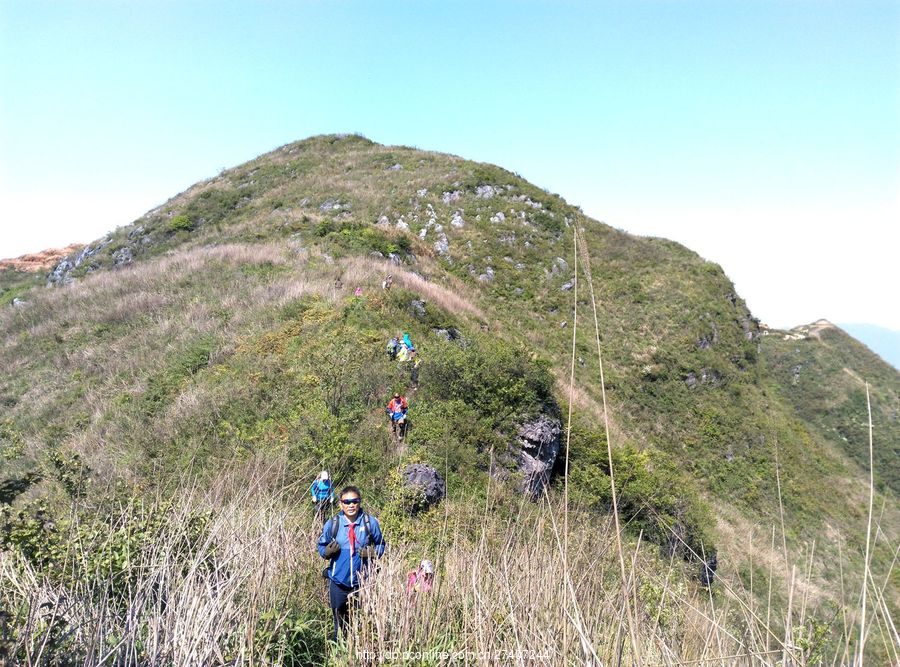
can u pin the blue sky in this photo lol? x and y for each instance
(763, 135)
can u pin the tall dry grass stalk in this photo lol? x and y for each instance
(865, 584)
(626, 595)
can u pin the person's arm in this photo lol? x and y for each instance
(325, 538)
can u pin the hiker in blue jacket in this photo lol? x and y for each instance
(322, 494)
(351, 541)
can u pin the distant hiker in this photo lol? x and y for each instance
(387, 282)
(396, 409)
(350, 541)
(393, 347)
(414, 372)
(421, 579)
(407, 349)
(357, 291)
(322, 494)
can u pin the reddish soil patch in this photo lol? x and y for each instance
(39, 261)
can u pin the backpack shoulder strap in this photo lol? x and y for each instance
(335, 524)
(368, 527)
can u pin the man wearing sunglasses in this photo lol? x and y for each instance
(351, 540)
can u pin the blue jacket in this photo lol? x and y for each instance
(321, 490)
(345, 567)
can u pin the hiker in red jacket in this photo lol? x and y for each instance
(397, 409)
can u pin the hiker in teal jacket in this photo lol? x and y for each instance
(322, 494)
(350, 541)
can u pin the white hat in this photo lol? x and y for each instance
(324, 474)
(426, 567)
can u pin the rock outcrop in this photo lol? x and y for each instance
(427, 481)
(539, 440)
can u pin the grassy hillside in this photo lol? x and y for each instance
(219, 337)
(823, 373)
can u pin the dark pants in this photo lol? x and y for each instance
(323, 509)
(338, 598)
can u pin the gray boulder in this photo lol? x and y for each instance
(427, 481)
(539, 442)
(60, 275)
(486, 191)
(417, 307)
(122, 256)
(449, 334)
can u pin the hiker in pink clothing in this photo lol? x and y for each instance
(421, 579)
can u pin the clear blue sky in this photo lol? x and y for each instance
(763, 135)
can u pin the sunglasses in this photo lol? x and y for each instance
(351, 501)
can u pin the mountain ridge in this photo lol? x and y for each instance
(215, 326)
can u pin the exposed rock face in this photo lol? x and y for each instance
(122, 256)
(448, 335)
(426, 480)
(62, 274)
(332, 205)
(707, 376)
(442, 245)
(417, 307)
(750, 326)
(539, 440)
(708, 570)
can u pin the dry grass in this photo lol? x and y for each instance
(504, 594)
(370, 272)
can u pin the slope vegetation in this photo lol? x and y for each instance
(222, 331)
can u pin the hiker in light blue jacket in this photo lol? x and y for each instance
(322, 494)
(351, 541)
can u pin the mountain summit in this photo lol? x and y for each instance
(232, 340)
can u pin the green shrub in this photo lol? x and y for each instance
(653, 494)
(495, 380)
(181, 223)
